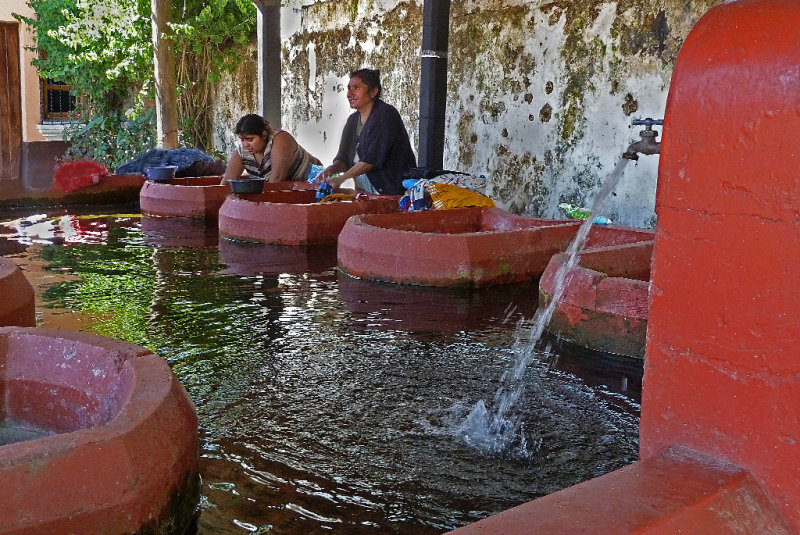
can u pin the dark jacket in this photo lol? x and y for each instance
(384, 143)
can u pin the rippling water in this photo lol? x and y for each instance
(328, 404)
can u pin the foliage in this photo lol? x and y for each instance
(112, 139)
(203, 53)
(104, 50)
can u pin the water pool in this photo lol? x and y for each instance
(328, 404)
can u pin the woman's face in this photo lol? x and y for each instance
(253, 143)
(359, 94)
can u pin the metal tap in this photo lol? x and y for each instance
(647, 144)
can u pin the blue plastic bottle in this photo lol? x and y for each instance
(601, 220)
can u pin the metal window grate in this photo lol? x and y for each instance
(58, 101)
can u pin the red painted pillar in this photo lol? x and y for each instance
(722, 372)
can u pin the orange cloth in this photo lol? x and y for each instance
(445, 196)
(338, 197)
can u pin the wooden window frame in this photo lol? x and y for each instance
(47, 86)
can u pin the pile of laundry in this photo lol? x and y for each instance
(74, 175)
(190, 162)
(428, 189)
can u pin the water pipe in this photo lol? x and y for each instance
(647, 144)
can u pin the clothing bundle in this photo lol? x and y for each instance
(448, 190)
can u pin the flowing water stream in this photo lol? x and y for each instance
(495, 430)
(329, 404)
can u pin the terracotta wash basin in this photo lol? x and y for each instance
(604, 305)
(293, 217)
(118, 446)
(468, 247)
(18, 304)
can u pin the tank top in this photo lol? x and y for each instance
(298, 169)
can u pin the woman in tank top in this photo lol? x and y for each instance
(266, 153)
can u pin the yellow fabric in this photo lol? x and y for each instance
(451, 196)
(337, 197)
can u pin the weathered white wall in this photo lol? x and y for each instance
(541, 94)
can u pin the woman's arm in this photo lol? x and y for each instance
(234, 169)
(338, 166)
(358, 169)
(346, 148)
(281, 156)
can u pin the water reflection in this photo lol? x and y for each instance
(262, 258)
(179, 232)
(332, 405)
(377, 305)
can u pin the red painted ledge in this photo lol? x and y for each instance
(114, 189)
(679, 491)
(123, 454)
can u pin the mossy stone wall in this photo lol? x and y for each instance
(541, 94)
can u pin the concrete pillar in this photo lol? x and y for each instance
(269, 60)
(722, 371)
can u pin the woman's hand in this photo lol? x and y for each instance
(332, 169)
(359, 168)
(234, 169)
(336, 181)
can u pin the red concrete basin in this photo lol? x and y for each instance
(293, 217)
(18, 306)
(122, 453)
(468, 247)
(196, 197)
(604, 305)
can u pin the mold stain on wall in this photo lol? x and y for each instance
(543, 77)
(346, 36)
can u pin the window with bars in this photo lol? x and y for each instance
(57, 101)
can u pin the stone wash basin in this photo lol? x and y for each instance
(293, 217)
(604, 305)
(197, 197)
(467, 247)
(18, 305)
(118, 451)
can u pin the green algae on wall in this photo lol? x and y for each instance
(235, 95)
(355, 34)
(529, 83)
(568, 66)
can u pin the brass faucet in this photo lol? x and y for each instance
(647, 144)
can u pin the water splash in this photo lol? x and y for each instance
(495, 430)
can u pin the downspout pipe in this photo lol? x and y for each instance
(433, 83)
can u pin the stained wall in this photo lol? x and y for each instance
(540, 99)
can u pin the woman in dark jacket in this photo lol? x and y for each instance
(375, 149)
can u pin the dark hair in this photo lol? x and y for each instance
(371, 77)
(251, 124)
